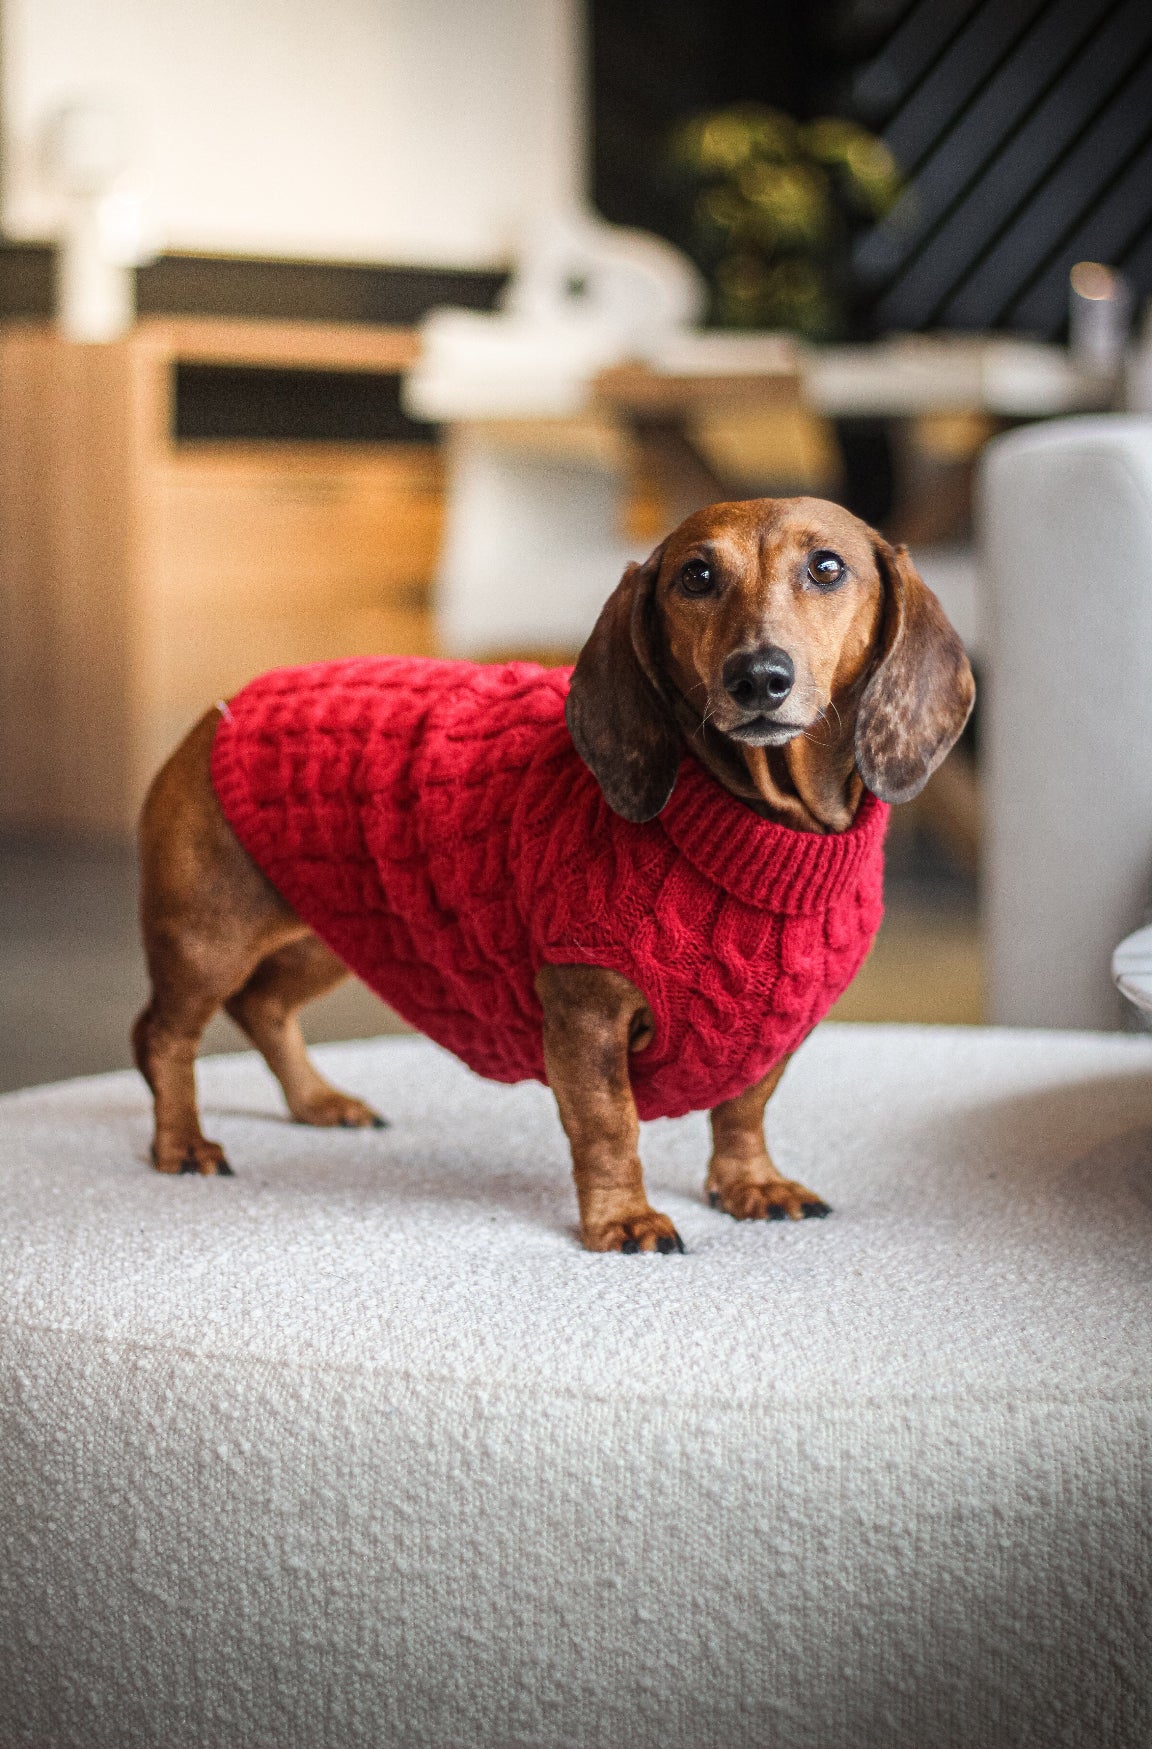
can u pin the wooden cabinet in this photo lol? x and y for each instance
(143, 576)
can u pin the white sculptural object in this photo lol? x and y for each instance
(88, 154)
(585, 295)
(534, 535)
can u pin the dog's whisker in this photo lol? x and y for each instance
(807, 734)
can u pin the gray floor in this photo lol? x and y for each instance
(72, 976)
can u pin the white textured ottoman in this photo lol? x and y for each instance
(360, 1448)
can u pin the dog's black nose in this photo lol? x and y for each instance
(759, 680)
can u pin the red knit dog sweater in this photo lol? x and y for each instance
(434, 824)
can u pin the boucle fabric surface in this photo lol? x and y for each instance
(434, 823)
(360, 1448)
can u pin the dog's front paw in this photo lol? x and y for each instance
(646, 1230)
(195, 1155)
(765, 1199)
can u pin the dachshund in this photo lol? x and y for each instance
(780, 650)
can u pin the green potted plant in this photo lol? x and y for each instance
(771, 205)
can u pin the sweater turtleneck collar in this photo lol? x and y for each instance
(773, 867)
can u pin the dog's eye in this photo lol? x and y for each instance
(826, 569)
(696, 578)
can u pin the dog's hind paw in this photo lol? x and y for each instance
(332, 1110)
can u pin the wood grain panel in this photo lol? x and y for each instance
(194, 659)
(272, 527)
(140, 580)
(289, 345)
(67, 572)
(28, 609)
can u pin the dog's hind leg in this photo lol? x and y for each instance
(266, 1009)
(209, 919)
(164, 1042)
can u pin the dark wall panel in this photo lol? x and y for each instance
(1026, 141)
(222, 285)
(1090, 174)
(656, 62)
(957, 146)
(1022, 125)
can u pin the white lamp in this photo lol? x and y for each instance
(88, 153)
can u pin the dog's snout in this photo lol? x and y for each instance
(759, 680)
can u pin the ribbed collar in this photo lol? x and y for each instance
(774, 867)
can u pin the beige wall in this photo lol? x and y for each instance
(402, 130)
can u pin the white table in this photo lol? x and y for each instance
(533, 539)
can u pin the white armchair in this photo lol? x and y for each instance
(1066, 518)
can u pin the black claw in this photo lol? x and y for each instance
(347, 1124)
(666, 1245)
(630, 1245)
(188, 1164)
(775, 1213)
(223, 1170)
(714, 1199)
(815, 1211)
(380, 1123)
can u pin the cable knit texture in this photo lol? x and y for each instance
(433, 822)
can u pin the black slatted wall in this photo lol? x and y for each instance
(1026, 129)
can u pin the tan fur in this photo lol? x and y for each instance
(883, 689)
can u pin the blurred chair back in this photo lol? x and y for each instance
(1066, 524)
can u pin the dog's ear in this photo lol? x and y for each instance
(616, 713)
(920, 694)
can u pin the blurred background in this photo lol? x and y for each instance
(400, 325)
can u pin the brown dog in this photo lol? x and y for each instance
(800, 658)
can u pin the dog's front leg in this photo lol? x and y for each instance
(592, 1019)
(742, 1177)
